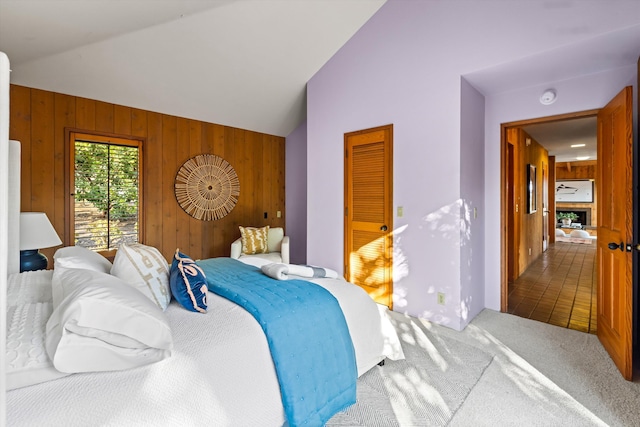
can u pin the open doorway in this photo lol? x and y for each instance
(551, 274)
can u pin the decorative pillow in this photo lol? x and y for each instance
(104, 324)
(254, 240)
(79, 257)
(188, 283)
(144, 268)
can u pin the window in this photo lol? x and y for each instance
(105, 197)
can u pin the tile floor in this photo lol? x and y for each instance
(559, 288)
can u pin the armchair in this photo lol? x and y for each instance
(277, 249)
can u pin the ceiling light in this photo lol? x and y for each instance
(548, 97)
(582, 158)
(577, 145)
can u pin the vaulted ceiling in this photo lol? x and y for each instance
(241, 63)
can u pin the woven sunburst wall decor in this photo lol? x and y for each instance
(207, 187)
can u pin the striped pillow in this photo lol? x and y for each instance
(254, 240)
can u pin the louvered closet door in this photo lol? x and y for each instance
(368, 208)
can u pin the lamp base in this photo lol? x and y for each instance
(31, 260)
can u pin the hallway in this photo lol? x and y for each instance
(559, 288)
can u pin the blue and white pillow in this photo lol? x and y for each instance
(188, 283)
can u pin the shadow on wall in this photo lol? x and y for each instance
(447, 230)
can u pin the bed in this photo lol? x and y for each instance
(220, 371)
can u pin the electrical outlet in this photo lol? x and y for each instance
(400, 211)
(440, 298)
(529, 251)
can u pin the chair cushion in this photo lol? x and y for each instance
(254, 240)
(560, 233)
(274, 239)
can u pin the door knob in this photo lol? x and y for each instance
(614, 246)
(383, 228)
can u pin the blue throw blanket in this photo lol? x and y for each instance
(307, 335)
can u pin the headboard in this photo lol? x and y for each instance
(5, 251)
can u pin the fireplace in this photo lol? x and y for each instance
(584, 214)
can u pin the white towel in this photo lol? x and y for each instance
(275, 271)
(283, 271)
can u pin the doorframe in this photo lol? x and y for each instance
(504, 234)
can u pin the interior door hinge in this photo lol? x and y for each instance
(346, 211)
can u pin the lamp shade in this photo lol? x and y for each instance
(36, 231)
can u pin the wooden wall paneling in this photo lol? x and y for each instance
(255, 173)
(222, 228)
(268, 180)
(153, 182)
(139, 128)
(104, 117)
(85, 114)
(231, 155)
(20, 130)
(39, 119)
(521, 163)
(182, 154)
(207, 147)
(122, 120)
(43, 156)
(532, 231)
(139, 123)
(195, 225)
(169, 169)
(65, 117)
(280, 170)
(552, 199)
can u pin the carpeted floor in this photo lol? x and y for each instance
(501, 370)
(425, 389)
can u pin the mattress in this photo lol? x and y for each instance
(220, 373)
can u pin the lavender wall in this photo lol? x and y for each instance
(578, 94)
(472, 260)
(296, 193)
(404, 67)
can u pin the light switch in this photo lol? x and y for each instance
(400, 211)
(279, 214)
(475, 213)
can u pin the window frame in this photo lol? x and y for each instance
(71, 135)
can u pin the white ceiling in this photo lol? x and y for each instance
(245, 63)
(241, 63)
(557, 138)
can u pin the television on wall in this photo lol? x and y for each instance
(574, 191)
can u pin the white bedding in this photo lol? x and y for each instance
(220, 373)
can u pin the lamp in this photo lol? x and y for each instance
(36, 232)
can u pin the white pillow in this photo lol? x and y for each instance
(103, 324)
(79, 257)
(144, 268)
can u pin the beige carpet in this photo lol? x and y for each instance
(501, 370)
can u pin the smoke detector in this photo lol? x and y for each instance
(548, 97)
